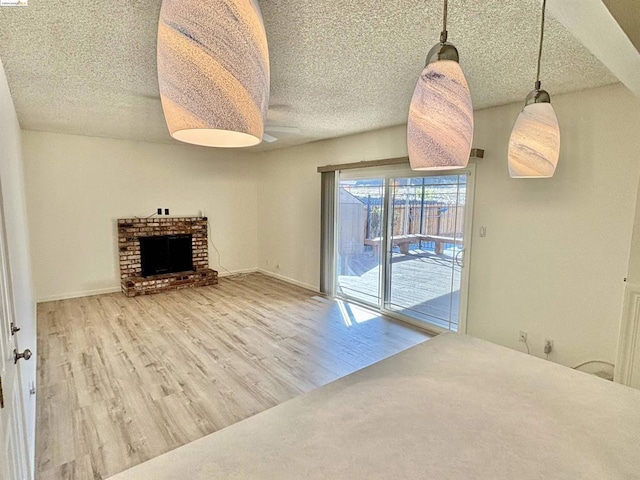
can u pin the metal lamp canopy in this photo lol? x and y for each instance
(534, 145)
(440, 125)
(213, 71)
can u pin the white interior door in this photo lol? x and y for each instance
(14, 463)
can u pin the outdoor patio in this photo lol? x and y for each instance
(421, 282)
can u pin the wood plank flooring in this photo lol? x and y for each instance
(122, 380)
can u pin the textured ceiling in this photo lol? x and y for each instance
(337, 68)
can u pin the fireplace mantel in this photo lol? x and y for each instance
(129, 232)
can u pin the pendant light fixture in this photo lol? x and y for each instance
(213, 71)
(534, 146)
(440, 126)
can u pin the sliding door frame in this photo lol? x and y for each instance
(402, 171)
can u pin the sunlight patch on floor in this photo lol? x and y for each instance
(354, 314)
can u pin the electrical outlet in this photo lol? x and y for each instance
(159, 211)
(548, 346)
(166, 211)
(483, 232)
(522, 337)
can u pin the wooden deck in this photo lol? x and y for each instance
(420, 287)
(122, 380)
(404, 242)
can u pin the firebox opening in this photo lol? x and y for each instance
(166, 254)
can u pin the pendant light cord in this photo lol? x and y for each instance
(443, 34)
(544, 8)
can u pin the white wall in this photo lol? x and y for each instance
(11, 176)
(556, 250)
(78, 186)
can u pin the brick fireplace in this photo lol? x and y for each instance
(130, 233)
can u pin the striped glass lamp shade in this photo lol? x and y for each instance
(213, 71)
(534, 146)
(440, 126)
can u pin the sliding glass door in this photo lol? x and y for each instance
(360, 221)
(426, 250)
(401, 243)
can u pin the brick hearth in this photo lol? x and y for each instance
(129, 232)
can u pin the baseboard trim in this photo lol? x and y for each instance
(86, 293)
(313, 288)
(236, 272)
(101, 291)
(627, 342)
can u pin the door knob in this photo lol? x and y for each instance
(14, 329)
(17, 356)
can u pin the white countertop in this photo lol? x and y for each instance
(453, 407)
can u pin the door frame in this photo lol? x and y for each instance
(13, 398)
(403, 171)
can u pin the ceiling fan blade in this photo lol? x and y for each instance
(282, 129)
(268, 138)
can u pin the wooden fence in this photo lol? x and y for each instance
(437, 219)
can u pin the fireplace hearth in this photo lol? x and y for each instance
(160, 254)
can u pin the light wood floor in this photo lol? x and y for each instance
(122, 380)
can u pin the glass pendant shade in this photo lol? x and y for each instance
(440, 126)
(213, 71)
(534, 146)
